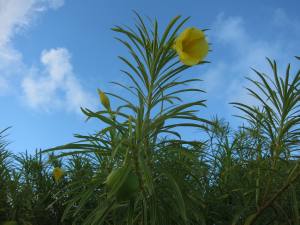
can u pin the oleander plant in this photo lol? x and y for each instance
(140, 169)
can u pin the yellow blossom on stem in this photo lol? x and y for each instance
(104, 99)
(191, 46)
(57, 173)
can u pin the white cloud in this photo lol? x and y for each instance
(50, 87)
(55, 86)
(237, 51)
(55, 4)
(11, 67)
(229, 30)
(4, 87)
(15, 17)
(282, 20)
(57, 63)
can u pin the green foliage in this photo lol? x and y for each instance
(4, 176)
(129, 150)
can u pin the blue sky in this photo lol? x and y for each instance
(54, 54)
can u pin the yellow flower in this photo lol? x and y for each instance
(104, 99)
(191, 46)
(57, 173)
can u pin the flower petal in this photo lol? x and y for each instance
(191, 46)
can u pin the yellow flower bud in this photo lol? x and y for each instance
(104, 99)
(57, 173)
(191, 46)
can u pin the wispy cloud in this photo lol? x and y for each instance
(283, 21)
(55, 86)
(15, 17)
(238, 49)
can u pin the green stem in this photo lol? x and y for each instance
(270, 201)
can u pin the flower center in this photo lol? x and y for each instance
(187, 46)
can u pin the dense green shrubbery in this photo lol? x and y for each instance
(138, 169)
